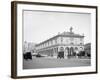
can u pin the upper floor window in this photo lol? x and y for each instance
(45, 44)
(71, 39)
(80, 43)
(55, 41)
(61, 39)
(81, 39)
(72, 43)
(48, 43)
(51, 42)
(67, 39)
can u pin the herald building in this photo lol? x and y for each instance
(69, 42)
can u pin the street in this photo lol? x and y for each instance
(42, 62)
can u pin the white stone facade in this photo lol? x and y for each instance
(68, 41)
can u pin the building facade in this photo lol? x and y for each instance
(87, 49)
(28, 47)
(68, 42)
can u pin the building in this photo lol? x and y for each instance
(28, 47)
(69, 42)
(87, 49)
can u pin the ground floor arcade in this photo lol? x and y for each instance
(68, 50)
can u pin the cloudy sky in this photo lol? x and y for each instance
(41, 25)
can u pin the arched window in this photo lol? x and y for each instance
(81, 48)
(71, 50)
(76, 48)
(61, 49)
(67, 50)
(56, 50)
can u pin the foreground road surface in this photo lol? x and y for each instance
(37, 63)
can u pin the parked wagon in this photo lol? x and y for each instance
(60, 54)
(27, 55)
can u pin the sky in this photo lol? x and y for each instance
(39, 26)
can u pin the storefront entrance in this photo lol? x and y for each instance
(61, 53)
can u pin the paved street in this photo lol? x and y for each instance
(37, 63)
